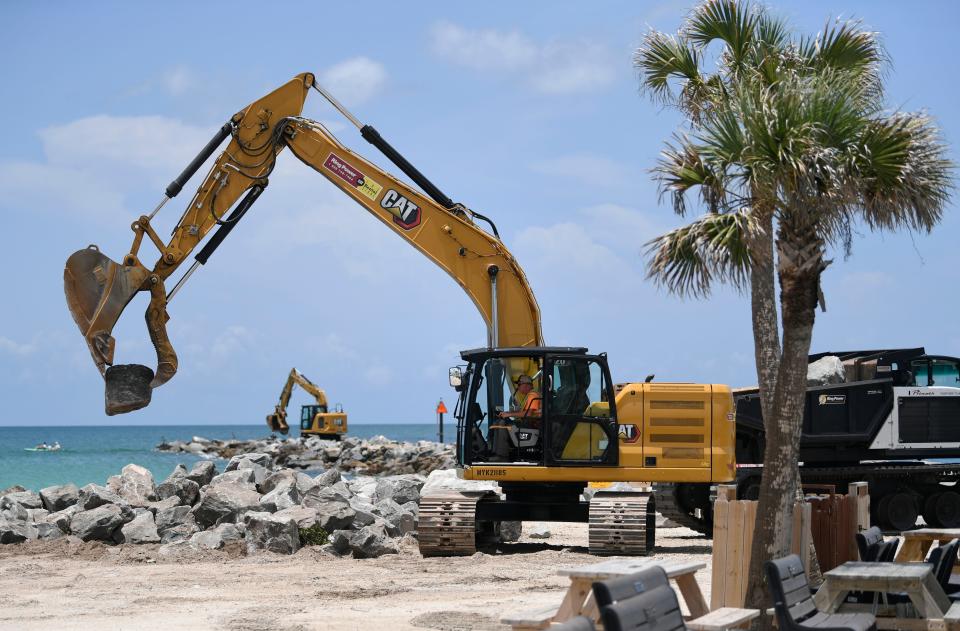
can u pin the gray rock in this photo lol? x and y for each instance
(176, 549)
(285, 477)
(334, 512)
(142, 529)
(443, 479)
(27, 499)
(340, 541)
(134, 484)
(100, 523)
(16, 531)
(216, 538)
(265, 531)
(305, 517)
(93, 495)
(364, 486)
(399, 488)
(156, 507)
(46, 531)
(363, 512)
(510, 530)
(13, 511)
(173, 516)
(328, 477)
(825, 371)
(36, 514)
(202, 472)
(180, 532)
(260, 473)
(56, 498)
(237, 476)
(16, 488)
(539, 531)
(281, 497)
(186, 490)
(61, 519)
(264, 460)
(225, 503)
(179, 471)
(398, 521)
(305, 482)
(371, 542)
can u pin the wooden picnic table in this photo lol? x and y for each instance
(916, 543)
(914, 579)
(578, 600)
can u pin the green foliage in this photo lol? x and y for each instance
(315, 535)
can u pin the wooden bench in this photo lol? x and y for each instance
(531, 619)
(723, 618)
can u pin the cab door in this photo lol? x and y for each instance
(580, 412)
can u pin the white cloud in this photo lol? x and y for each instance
(232, 340)
(591, 169)
(558, 67)
(378, 375)
(178, 80)
(355, 80)
(15, 348)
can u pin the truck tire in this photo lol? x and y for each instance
(898, 511)
(948, 509)
(930, 511)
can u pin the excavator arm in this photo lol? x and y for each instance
(277, 421)
(98, 289)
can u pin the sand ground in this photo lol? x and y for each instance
(63, 585)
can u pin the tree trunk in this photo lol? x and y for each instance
(763, 311)
(799, 261)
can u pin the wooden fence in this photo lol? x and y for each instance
(830, 520)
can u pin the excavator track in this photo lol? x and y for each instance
(670, 508)
(448, 523)
(622, 524)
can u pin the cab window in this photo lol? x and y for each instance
(944, 373)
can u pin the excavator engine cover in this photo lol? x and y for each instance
(127, 388)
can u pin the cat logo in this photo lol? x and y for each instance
(405, 213)
(628, 433)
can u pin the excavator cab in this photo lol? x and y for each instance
(565, 416)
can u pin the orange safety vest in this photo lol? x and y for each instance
(532, 405)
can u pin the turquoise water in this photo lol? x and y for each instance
(92, 454)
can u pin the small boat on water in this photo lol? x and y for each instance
(44, 447)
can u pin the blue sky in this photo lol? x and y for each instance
(527, 112)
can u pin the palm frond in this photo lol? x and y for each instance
(690, 259)
(662, 57)
(729, 21)
(681, 168)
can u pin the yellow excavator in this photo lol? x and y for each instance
(315, 420)
(540, 420)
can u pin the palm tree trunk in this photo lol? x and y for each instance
(799, 261)
(763, 309)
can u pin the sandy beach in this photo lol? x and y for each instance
(65, 584)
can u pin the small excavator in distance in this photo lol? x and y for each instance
(584, 428)
(315, 420)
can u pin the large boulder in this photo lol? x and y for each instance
(333, 512)
(15, 530)
(283, 477)
(216, 538)
(266, 531)
(511, 530)
(141, 529)
(202, 472)
(284, 496)
(225, 503)
(363, 512)
(246, 477)
(100, 523)
(826, 371)
(446, 479)
(134, 484)
(183, 488)
(264, 460)
(179, 532)
(27, 499)
(340, 541)
(304, 517)
(372, 541)
(94, 495)
(173, 516)
(61, 520)
(56, 498)
(399, 488)
(398, 521)
(328, 477)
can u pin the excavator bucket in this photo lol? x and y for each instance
(97, 291)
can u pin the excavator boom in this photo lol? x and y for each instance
(98, 289)
(277, 422)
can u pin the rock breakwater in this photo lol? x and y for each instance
(374, 456)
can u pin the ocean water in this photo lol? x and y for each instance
(94, 453)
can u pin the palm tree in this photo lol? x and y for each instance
(790, 150)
